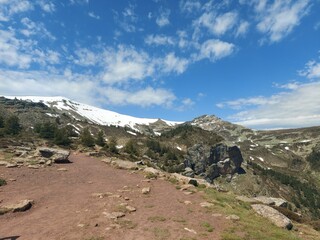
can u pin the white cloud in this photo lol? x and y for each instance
(215, 49)
(290, 86)
(171, 63)
(47, 6)
(311, 70)
(163, 19)
(126, 63)
(242, 28)
(92, 15)
(145, 97)
(216, 24)
(85, 57)
(189, 6)
(12, 7)
(159, 40)
(11, 53)
(38, 83)
(127, 19)
(277, 20)
(298, 107)
(33, 28)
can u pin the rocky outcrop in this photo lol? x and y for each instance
(273, 215)
(55, 154)
(212, 162)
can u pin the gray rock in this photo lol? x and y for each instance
(124, 164)
(11, 165)
(55, 154)
(211, 162)
(146, 190)
(3, 163)
(193, 182)
(273, 215)
(188, 172)
(21, 206)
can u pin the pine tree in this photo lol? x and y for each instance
(12, 125)
(86, 138)
(113, 145)
(100, 139)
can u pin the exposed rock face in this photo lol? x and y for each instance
(273, 215)
(57, 155)
(211, 162)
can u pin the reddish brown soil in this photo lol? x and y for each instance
(64, 207)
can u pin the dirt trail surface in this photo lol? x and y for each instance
(65, 206)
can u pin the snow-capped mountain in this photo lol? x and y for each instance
(92, 114)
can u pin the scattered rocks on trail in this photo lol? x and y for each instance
(206, 204)
(21, 206)
(273, 215)
(55, 154)
(114, 215)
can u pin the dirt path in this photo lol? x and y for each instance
(64, 207)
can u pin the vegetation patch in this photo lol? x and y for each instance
(2, 182)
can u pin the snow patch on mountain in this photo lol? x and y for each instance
(92, 114)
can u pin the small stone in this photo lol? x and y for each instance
(12, 165)
(131, 209)
(146, 190)
(190, 230)
(206, 204)
(126, 198)
(12, 179)
(217, 215)
(42, 161)
(81, 225)
(188, 193)
(33, 166)
(187, 202)
(233, 217)
(62, 169)
(48, 163)
(115, 196)
(114, 215)
(20, 207)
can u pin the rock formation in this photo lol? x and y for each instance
(212, 162)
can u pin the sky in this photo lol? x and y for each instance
(250, 62)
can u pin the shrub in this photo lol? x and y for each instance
(100, 139)
(61, 137)
(113, 145)
(86, 138)
(2, 182)
(131, 147)
(12, 125)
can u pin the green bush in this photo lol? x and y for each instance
(113, 145)
(314, 160)
(131, 147)
(2, 182)
(86, 138)
(12, 125)
(100, 139)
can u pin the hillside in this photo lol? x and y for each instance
(235, 159)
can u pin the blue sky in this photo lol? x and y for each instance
(252, 62)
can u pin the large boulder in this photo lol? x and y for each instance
(273, 215)
(212, 162)
(55, 154)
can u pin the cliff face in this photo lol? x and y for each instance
(211, 162)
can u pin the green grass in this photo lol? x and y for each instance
(251, 226)
(161, 233)
(207, 226)
(157, 219)
(2, 182)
